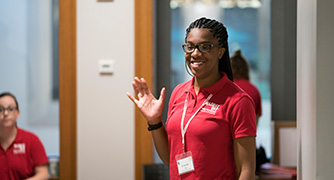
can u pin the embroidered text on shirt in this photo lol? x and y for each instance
(19, 148)
(210, 108)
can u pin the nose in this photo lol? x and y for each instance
(196, 52)
(5, 111)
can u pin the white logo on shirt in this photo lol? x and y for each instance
(210, 108)
(19, 148)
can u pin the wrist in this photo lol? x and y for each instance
(154, 121)
(155, 126)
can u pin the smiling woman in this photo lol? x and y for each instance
(249, 29)
(210, 129)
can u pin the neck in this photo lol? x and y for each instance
(7, 135)
(206, 82)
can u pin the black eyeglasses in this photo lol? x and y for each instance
(10, 110)
(203, 47)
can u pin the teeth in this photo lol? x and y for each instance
(197, 63)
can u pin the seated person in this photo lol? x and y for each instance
(22, 155)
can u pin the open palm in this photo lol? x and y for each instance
(149, 106)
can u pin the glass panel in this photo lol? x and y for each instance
(29, 58)
(248, 25)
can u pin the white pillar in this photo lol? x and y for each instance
(306, 89)
(315, 89)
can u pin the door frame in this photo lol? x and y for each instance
(143, 68)
(67, 90)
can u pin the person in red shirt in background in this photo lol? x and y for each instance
(240, 71)
(22, 155)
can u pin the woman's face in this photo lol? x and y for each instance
(203, 64)
(9, 116)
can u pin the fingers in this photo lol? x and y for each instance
(145, 89)
(162, 95)
(135, 87)
(140, 87)
(131, 97)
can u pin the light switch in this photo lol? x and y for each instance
(106, 66)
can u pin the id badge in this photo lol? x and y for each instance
(185, 162)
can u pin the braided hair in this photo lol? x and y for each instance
(218, 31)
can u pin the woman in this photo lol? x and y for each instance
(240, 70)
(210, 129)
(22, 155)
(241, 78)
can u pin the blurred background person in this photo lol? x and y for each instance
(22, 155)
(240, 70)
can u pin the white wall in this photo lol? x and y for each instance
(306, 89)
(315, 89)
(105, 124)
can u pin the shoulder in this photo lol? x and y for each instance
(27, 135)
(232, 94)
(246, 85)
(181, 88)
(232, 89)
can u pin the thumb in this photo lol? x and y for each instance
(162, 95)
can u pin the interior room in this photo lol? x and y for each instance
(70, 64)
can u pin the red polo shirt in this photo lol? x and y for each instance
(228, 115)
(253, 92)
(23, 155)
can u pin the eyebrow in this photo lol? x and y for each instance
(203, 42)
(10, 106)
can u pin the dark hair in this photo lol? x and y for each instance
(239, 65)
(11, 95)
(218, 31)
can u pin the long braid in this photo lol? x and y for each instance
(218, 31)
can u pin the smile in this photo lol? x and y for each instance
(197, 62)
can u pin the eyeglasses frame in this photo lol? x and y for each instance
(10, 110)
(198, 45)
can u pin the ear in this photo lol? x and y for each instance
(17, 114)
(221, 52)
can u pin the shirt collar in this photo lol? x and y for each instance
(213, 89)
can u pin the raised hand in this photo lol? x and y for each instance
(149, 106)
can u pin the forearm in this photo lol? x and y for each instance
(247, 174)
(161, 144)
(38, 177)
(244, 155)
(41, 173)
